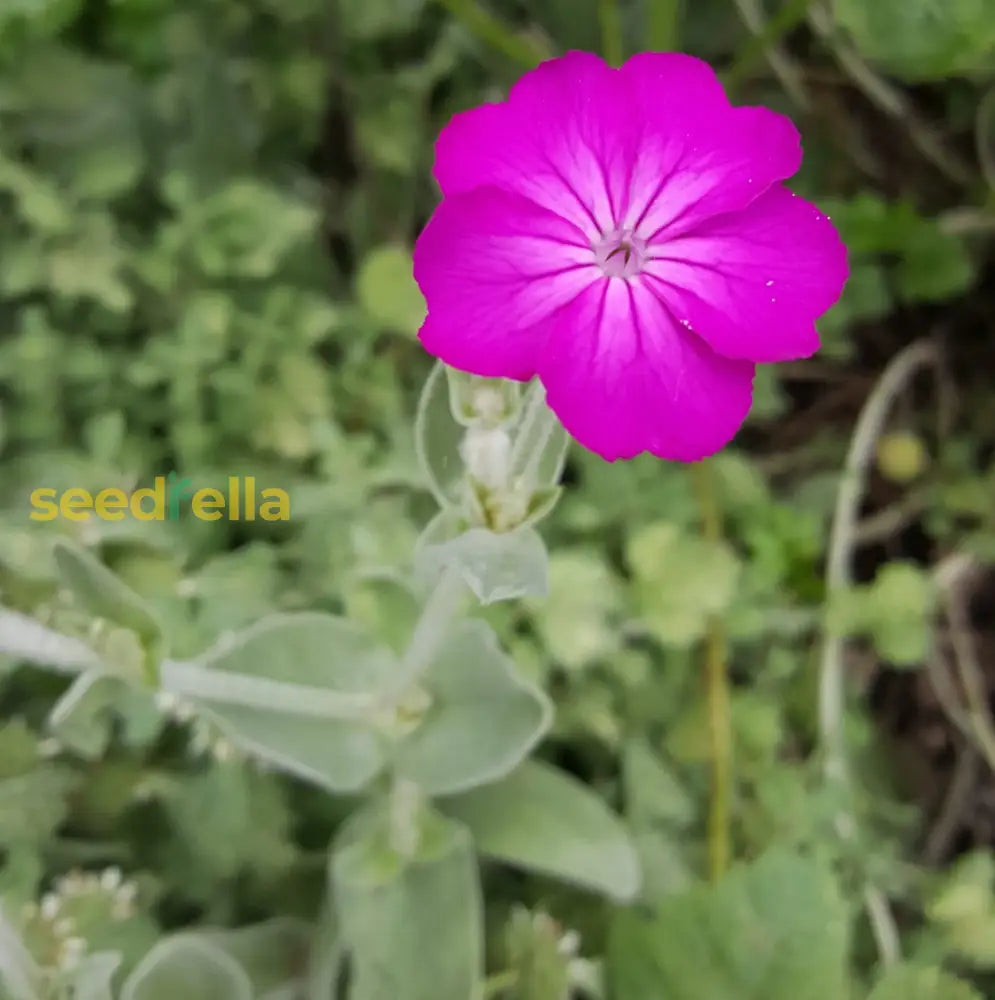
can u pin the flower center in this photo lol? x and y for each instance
(620, 253)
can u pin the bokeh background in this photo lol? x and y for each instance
(206, 213)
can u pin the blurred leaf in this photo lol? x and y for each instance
(775, 929)
(190, 967)
(363, 19)
(314, 650)
(576, 621)
(92, 977)
(933, 264)
(229, 821)
(325, 955)
(908, 982)
(541, 441)
(18, 972)
(437, 440)
(385, 604)
(922, 39)
(897, 609)
(963, 909)
(246, 229)
(272, 954)
(544, 820)
(482, 721)
(681, 580)
(387, 289)
(495, 566)
(985, 136)
(36, 18)
(33, 804)
(106, 596)
(536, 957)
(652, 793)
(383, 896)
(80, 719)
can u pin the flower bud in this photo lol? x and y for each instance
(486, 453)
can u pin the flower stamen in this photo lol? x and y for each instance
(620, 254)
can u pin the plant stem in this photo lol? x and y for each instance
(26, 639)
(404, 806)
(199, 683)
(717, 686)
(842, 542)
(611, 32)
(528, 51)
(433, 625)
(29, 640)
(663, 19)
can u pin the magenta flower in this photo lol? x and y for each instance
(624, 235)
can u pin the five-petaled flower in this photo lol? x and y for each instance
(625, 235)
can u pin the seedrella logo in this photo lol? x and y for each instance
(167, 499)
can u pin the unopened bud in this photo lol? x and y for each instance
(487, 455)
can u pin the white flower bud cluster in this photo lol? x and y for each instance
(56, 915)
(109, 883)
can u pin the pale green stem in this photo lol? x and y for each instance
(842, 541)
(404, 806)
(433, 625)
(190, 680)
(24, 638)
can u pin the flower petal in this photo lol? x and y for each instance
(698, 156)
(624, 377)
(493, 266)
(753, 283)
(563, 138)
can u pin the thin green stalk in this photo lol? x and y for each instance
(717, 688)
(26, 639)
(480, 22)
(433, 626)
(29, 640)
(842, 543)
(610, 18)
(199, 683)
(663, 19)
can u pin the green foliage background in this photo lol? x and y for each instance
(206, 212)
